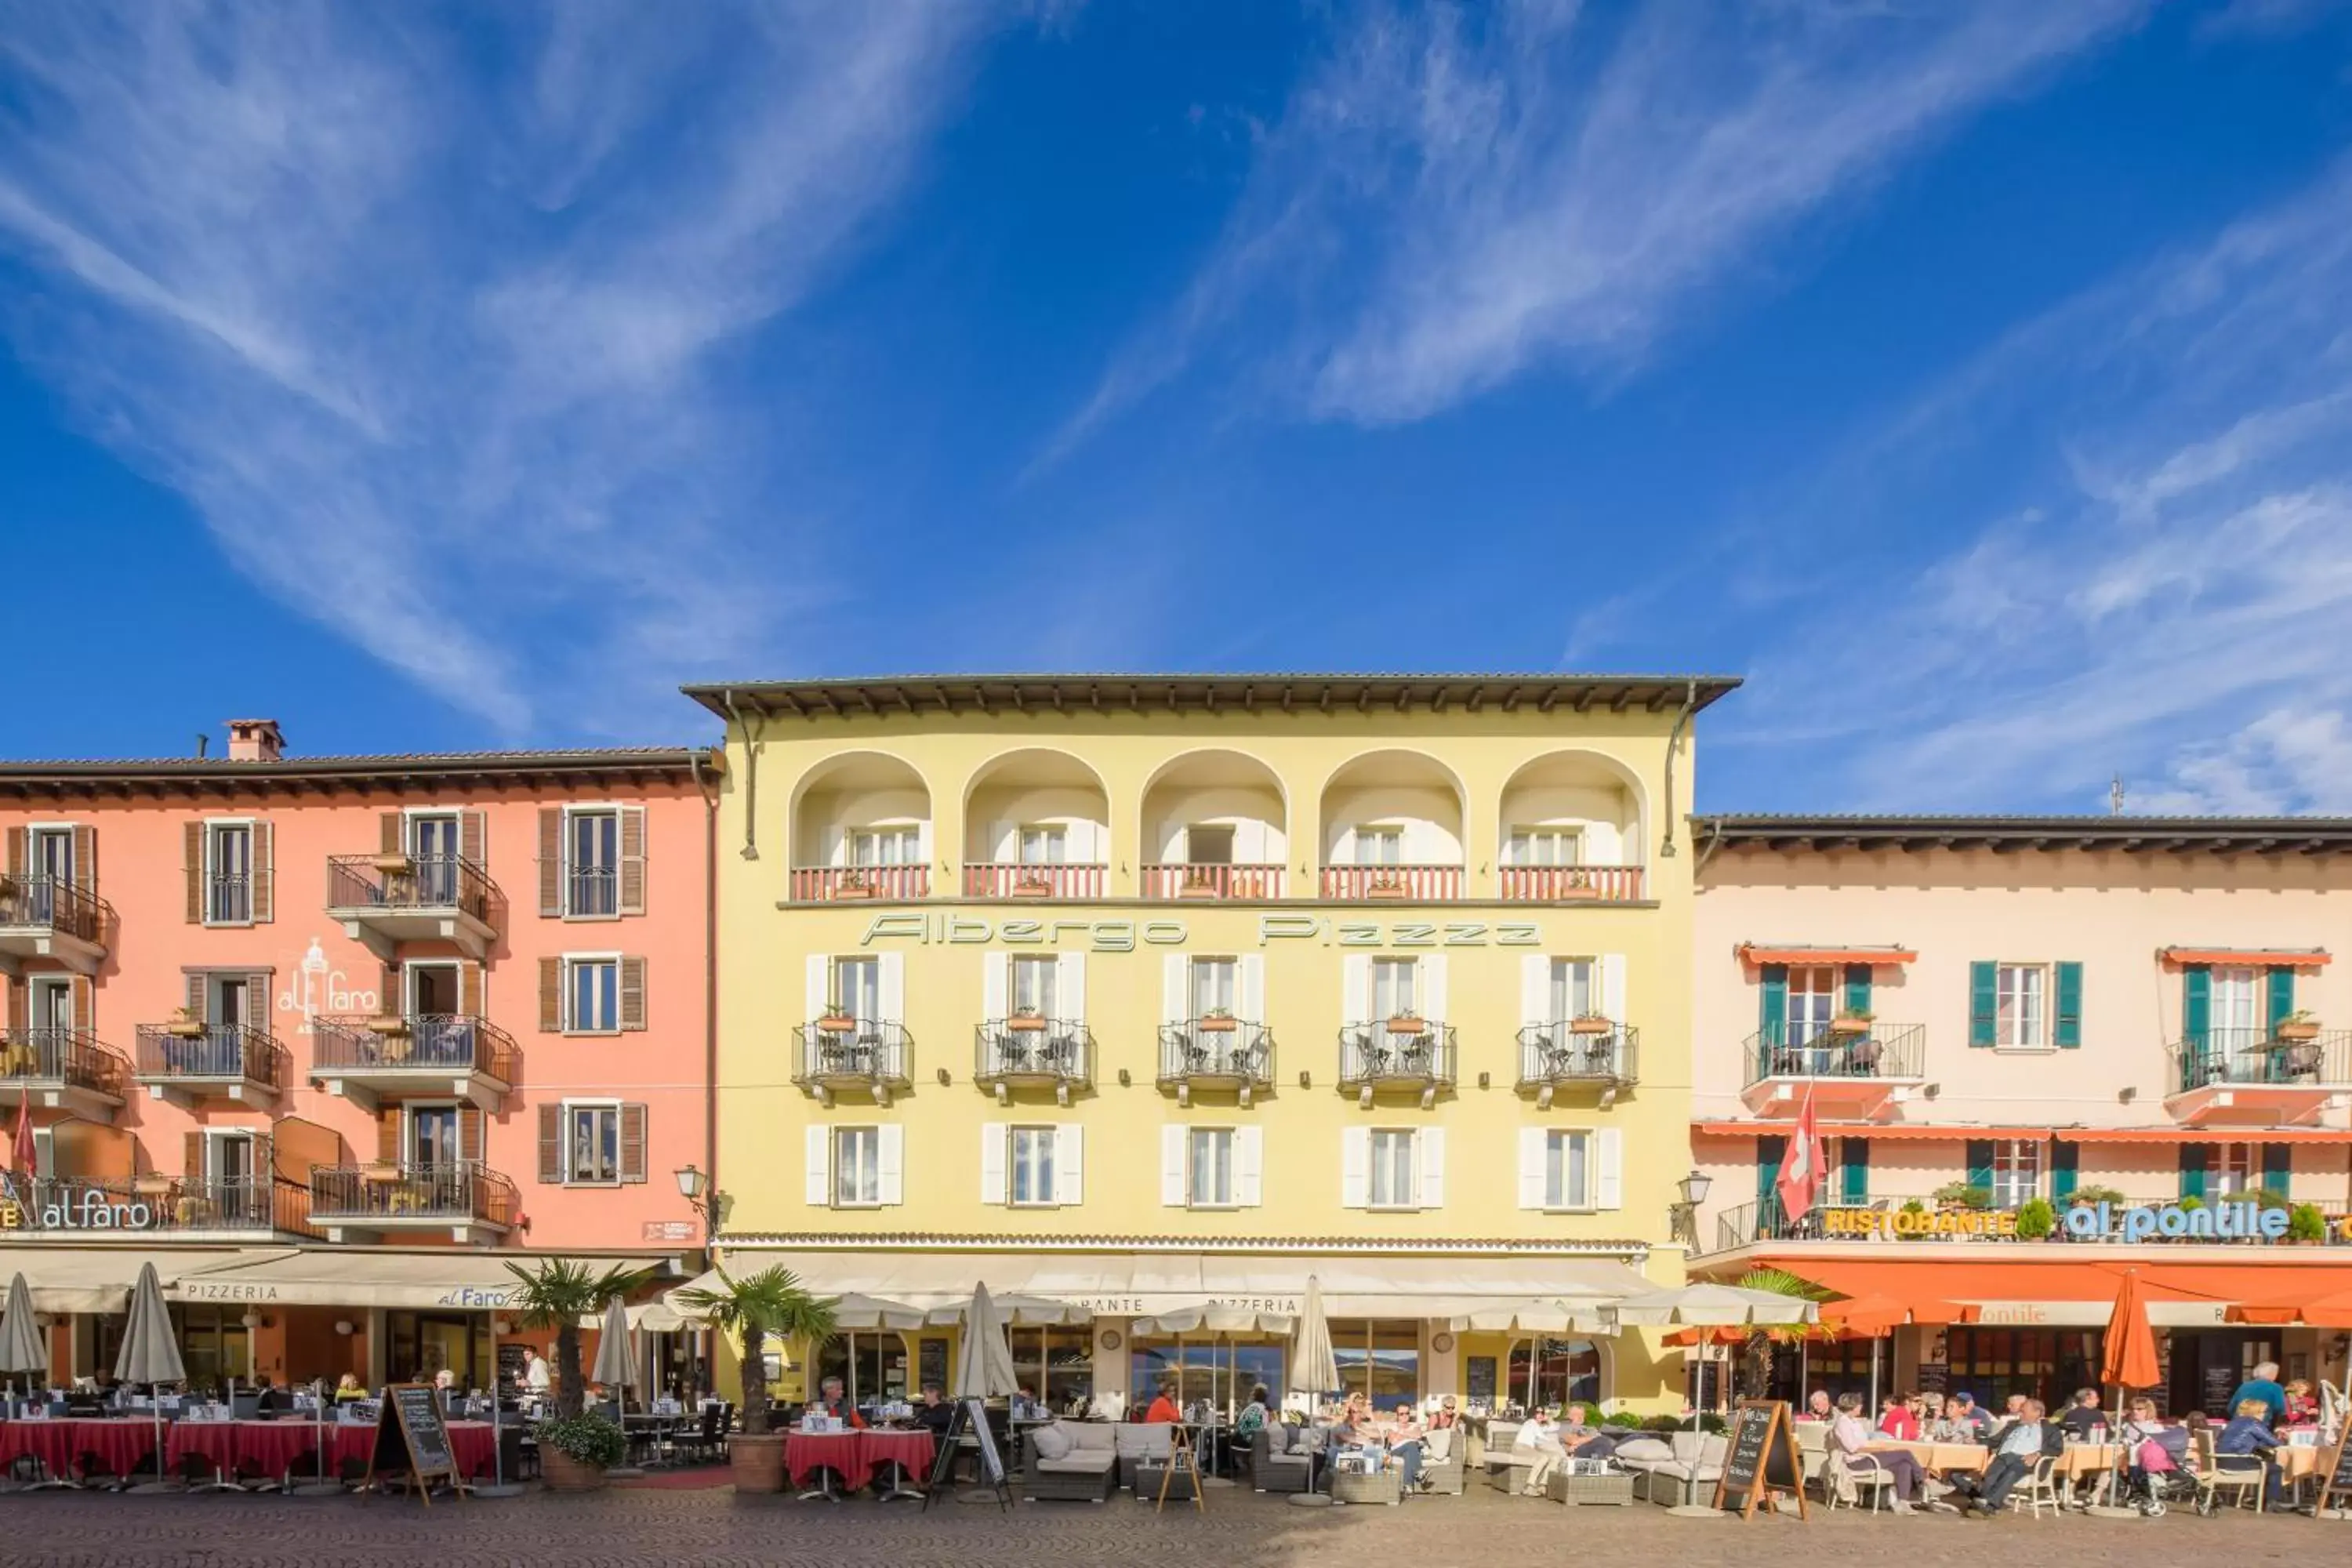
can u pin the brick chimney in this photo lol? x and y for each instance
(255, 740)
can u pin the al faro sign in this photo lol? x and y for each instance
(2224, 1221)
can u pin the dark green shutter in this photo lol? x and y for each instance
(1770, 1149)
(2069, 1033)
(1775, 1019)
(2282, 996)
(2196, 1005)
(1984, 997)
(1857, 988)
(1979, 1155)
(2278, 1164)
(2063, 1158)
(2194, 1158)
(1856, 1154)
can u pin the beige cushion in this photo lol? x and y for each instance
(1051, 1442)
(1081, 1462)
(1645, 1451)
(1094, 1437)
(1438, 1442)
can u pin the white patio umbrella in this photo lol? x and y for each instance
(150, 1355)
(1711, 1307)
(1019, 1312)
(856, 1312)
(21, 1349)
(1215, 1319)
(1314, 1369)
(615, 1367)
(984, 1369)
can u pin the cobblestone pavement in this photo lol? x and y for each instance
(625, 1528)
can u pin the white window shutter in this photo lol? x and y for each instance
(893, 1140)
(1070, 987)
(1534, 988)
(1356, 987)
(1174, 975)
(995, 984)
(1249, 1166)
(993, 1140)
(892, 974)
(819, 1190)
(820, 982)
(1249, 985)
(834, 851)
(1069, 1163)
(1608, 1175)
(1355, 1167)
(1429, 1166)
(1612, 986)
(1429, 991)
(1531, 1167)
(1172, 1139)
(923, 842)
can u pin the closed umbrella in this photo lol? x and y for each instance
(615, 1368)
(1314, 1370)
(984, 1370)
(20, 1340)
(2129, 1361)
(150, 1355)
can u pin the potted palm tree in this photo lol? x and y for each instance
(576, 1448)
(772, 1301)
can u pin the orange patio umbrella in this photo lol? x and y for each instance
(2130, 1358)
(1871, 1317)
(1684, 1339)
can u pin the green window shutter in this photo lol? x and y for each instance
(1775, 1001)
(2195, 1005)
(2194, 1158)
(2282, 995)
(2278, 1166)
(1856, 1154)
(2069, 1032)
(2064, 1159)
(1983, 999)
(1770, 1149)
(1979, 1152)
(1857, 988)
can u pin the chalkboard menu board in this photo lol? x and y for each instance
(514, 1366)
(1760, 1459)
(1934, 1378)
(411, 1438)
(2336, 1473)
(2219, 1380)
(931, 1368)
(1481, 1373)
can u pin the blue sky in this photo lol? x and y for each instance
(1975, 379)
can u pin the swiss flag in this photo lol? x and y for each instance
(1801, 1168)
(22, 1152)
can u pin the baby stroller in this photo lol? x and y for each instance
(2165, 1476)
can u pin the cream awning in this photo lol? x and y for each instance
(99, 1279)
(440, 1278)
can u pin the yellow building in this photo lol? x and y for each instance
(1145, 998)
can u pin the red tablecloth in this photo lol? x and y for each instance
(912, 1449)
(855, 1456)
(121, 1446)
(274, 1447)
(470, 1445)
(214, 1441)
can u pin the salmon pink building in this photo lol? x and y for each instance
(332, 1040)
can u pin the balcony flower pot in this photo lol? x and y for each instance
(837, 1024)
(390, 1026)
(757, 1462)
(1197, 888)
(1850, 1024)
(2299, 1031)
(1406, 1023)
(1033, 888)
(185, 1028)
(391, 865)
(851, 890)
(1592, 1025)
(1579, 888)
(1387, 890)
(1026, 1023)
(1217, 1024)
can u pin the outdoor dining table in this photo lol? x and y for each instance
(472, 1445)
(1936, 1459)
(2087, 1458)
(853, 1456)
(120, 1443)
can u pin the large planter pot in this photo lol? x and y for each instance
(757, 1462)
(563, 1473)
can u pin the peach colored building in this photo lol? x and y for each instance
(2007, 1022)
(332, 1039)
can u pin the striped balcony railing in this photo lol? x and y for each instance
(1573, 884)
(1009, 880)
(845, 884)
(1176, 879)
(1392, 884)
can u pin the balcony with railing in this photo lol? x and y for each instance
(48, 917)
(1215, 827)
(1030, 1052)
(1213, 882)
(1217, 1054)
(466, 1199)
(838, 1055)
(63, 1070)
(1392, 884)
(1401, 1054)
(414, 1056)
(385, 899)
(1058, 881)
(189, 1063)
(1573, 884)
(860, 884)
(1569, 1053)
(1930, 1217)
(2289, 1073)
(861, 831)
(252, 1207)
(1855, 1068)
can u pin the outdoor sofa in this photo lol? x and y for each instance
(1072, 1461)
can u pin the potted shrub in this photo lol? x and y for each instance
(1914, 1233)
(1852, 1021)
(1034, 885)
(2299, 1026)
(2266, 1198)
(2306, 1225)
(1576, 885)
(557, 1294)
(1027, 1020)
(1217, 1021)
(1406, 1023)
(770, 1302)
(184, 1025)
(1590, 1024)
(2036, 1219)
(1198, 884)
(854, 884)
(837, 1019)
(2085, 1197)
(1961, 1195)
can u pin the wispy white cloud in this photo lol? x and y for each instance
(2171, 603)
(440, 351)
(1455, 195)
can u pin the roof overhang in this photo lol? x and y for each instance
(2130, 835)
(1756, 953)
(195, 777)
(1928, 1132)
(2252, 957)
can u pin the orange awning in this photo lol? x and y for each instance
(2329, 1311)
(2204, 1134)
(1870, 1317)
(1897, 1130)
(2291, 1280)
(2254, 957)
(1762, 953)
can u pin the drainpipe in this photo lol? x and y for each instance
(1674, 740)
(709, 978)
(750, 779)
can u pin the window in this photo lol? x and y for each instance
(1543, 846)
(592, 999)
(1813, 1001)
(228, 1157)
(2236, 1170)
(593, 852)
(433, 844)
(1574, 993)
(1393, 1186)
(1379, 1360)
(592, 1144)
(857, 988)
(433, 1136)
(1058, 1363)
(2016, 1173)
(1212, 985)
(1379, 845)
(1567, 1170)
(1556, 1372)
(1033, 986)
(885, 847)
(1032, 1171)
(1045, 846)
(1211, 1184)
(51, 1011)
(2018, 1012)
(1393, 988)
(2237, 1008)
(1206, 845)
(50, 851)
(228, 882)
(857, 1167)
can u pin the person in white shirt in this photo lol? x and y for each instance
(1849, 1435)
(535, 1375)
(1540, 1434)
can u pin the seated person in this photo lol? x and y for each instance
(1541, 1435)
(1446, 1417)
(1900, 1421)
(2082, 1416)
(2247, 1444)
(2021, 1447)
(832, 1401)
(1163, 1405)
(1818, 1407)
(1971, 1421)
(2150, 1447)
(1849, 1435)
(1253, 1415)
(935, 1412)
(347, 1388)
(1579, 1439)
(1405, 1437)
(2302, 1410)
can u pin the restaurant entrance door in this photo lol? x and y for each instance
(421, 1343)
(2208, 1364)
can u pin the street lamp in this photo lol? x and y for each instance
(696, 1189)
(1684, 1215)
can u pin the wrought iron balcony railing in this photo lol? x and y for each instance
(169, 1204)
(168, 1052)
(1034, 1050)
(1216, 1050)
(429, 1045)
(1396, 1052)
(1875, 1050)
(1580, 1050)
(464, 1191)
(2226, 1057)
(852, 1050)
(53, 906)
(71, 1059)
(403, 884)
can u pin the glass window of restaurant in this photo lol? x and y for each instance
(213, 1346)
(1565, 1371)
(1219, 1371)
(419, 1344)
(2048, 1364)
(1056, 1364)
(1380, 1357)
(871, 1367)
